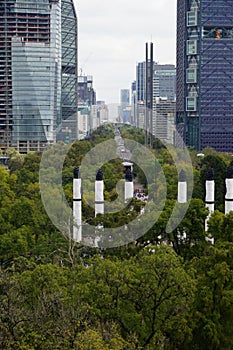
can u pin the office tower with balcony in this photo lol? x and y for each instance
(204, 108)
(36, 66)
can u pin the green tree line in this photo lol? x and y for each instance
(55, 294)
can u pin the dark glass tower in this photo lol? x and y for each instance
(69, 98)
(205, 73)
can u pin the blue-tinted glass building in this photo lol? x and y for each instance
(204, 109)
(34, 58)
(69, 35)
(164, 81)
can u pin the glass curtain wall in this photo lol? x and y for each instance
(69, 67)
(30, 68)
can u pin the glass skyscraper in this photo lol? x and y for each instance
(204, 109)
(32, 69)
(69, 60)
(164, 81)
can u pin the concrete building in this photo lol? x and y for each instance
(164, 119)
(84, 121)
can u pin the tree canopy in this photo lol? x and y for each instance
(165, 290)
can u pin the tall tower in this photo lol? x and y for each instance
(204, 73)
(144, 92)
(38, 71)
(30, 70)
(164, 81)
(69, 37)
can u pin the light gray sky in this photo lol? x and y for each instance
(112, 36)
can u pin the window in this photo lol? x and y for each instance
(191, 47)
(191, 104)
(191, 75)
(210, 32)
(191, 18)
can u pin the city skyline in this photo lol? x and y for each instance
(110, 51)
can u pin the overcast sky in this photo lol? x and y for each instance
(112, 36)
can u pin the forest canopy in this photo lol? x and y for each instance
(158, 292)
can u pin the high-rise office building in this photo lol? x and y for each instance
(125, 108)
(86, 92)
(38, 74)
(144, 93)
(125, 95)
(164, 81)
(141, 80)
(204, 109)
(163, 124)
(69, 37)
(134, 103)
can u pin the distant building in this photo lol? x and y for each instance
(125, 107)
(141, 91)
(125, 97)
(164, 88)
(134, 103)
(204, 107)
(99, 114)
(164, 81)
(164, 119)
(127, 115)
(86, 92)
(141, 81)
(140, 121)
(84, 121)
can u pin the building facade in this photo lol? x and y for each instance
(32, 70)
(144, 93)
(69, 37)
(134, 103)
(125, 97)
(164, 81)
(164, 119)
(125, 107)
(164, 96)
(86, 92)
(204, 106)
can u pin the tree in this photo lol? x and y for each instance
(147, 295)
(213, 306)
(219, 168)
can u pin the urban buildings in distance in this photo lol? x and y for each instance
(204, 108)
(69, 66)
(163, 94)
(91, 113)
(38, 70)
(125, 106)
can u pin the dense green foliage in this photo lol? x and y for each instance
(55, 294)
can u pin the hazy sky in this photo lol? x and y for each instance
(112, 36)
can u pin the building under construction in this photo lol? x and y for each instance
(38, 74)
